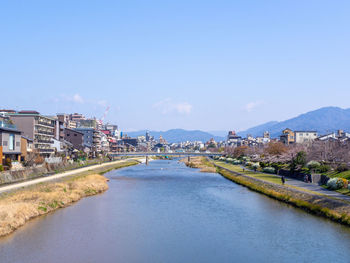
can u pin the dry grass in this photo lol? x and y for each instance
(201, 163)
(19, 207)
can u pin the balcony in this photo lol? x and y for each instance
(44, 132)
(43, 141)
(7, 125)
(45, 123)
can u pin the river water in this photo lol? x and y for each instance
(166, 212)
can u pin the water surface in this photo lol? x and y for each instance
(166, 212)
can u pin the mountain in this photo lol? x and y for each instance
(178, 135)
(324, 120)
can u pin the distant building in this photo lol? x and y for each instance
(287, 137)
(233, 139)
(266, 135)
(305, 136)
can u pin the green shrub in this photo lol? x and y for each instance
(324, 168)
(1, 168)
(305, 170)
(313, 165)
(269, 170)
(263, 164)
(335, 183)
(342, 168)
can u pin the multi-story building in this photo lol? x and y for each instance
(233, 139)
(66, 120)
(10, 142)
(76, 138)
(305, 136)
(39, 128)
(92, 138)
(77, 117)
(88, 123)
(287, 137)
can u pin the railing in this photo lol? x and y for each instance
(46, 123)
(44, 141)
(7, 125)
(44, 132)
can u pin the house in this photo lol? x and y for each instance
(75, 137)
(26, 147)
(287, 137)
(305, 136)
(39, 128)
(10, 142)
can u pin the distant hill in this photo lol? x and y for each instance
(323, 121)
(179, 135)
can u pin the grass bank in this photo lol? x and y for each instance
(201, 163)
(16, 208)
(334, 209)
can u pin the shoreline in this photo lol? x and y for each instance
(20, 206)
(334, 209)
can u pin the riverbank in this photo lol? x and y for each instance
(18, 207)
(201, 163)
(321, 205)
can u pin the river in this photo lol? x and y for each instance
(166, 212)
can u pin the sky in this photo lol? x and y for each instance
(157, 65)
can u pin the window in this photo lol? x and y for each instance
(11, 142)
(5, 143)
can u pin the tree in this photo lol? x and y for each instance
(276, 148)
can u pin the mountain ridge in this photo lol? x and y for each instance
(323, 120)
(178, 135)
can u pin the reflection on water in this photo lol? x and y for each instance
(166, 212)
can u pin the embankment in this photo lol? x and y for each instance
(332, 208)
(201, 163)
(16, 208)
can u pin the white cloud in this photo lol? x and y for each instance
(77, 98)
(167, 106)
(249, 107)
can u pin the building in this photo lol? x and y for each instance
(233, 139)
(88, 123)
(75, 137)
(39, 128)
(287, 137)
(77, 117)
(66, 121)
(305, 136)
(10, 142)
(26, 147)
(92, 138)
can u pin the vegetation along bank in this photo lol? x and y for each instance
(318, 204)
(16, 208)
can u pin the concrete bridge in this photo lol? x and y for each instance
(164, 154)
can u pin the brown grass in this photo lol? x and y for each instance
(200, 162)
(19, 207)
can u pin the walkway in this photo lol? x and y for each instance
(15, 186)
(307, 186)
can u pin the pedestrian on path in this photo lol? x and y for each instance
(283, 179)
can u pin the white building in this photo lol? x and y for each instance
(305, 136)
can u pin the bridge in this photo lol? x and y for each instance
(164, 154)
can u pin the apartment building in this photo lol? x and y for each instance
(39, 128)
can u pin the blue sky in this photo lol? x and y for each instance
(210, 65)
